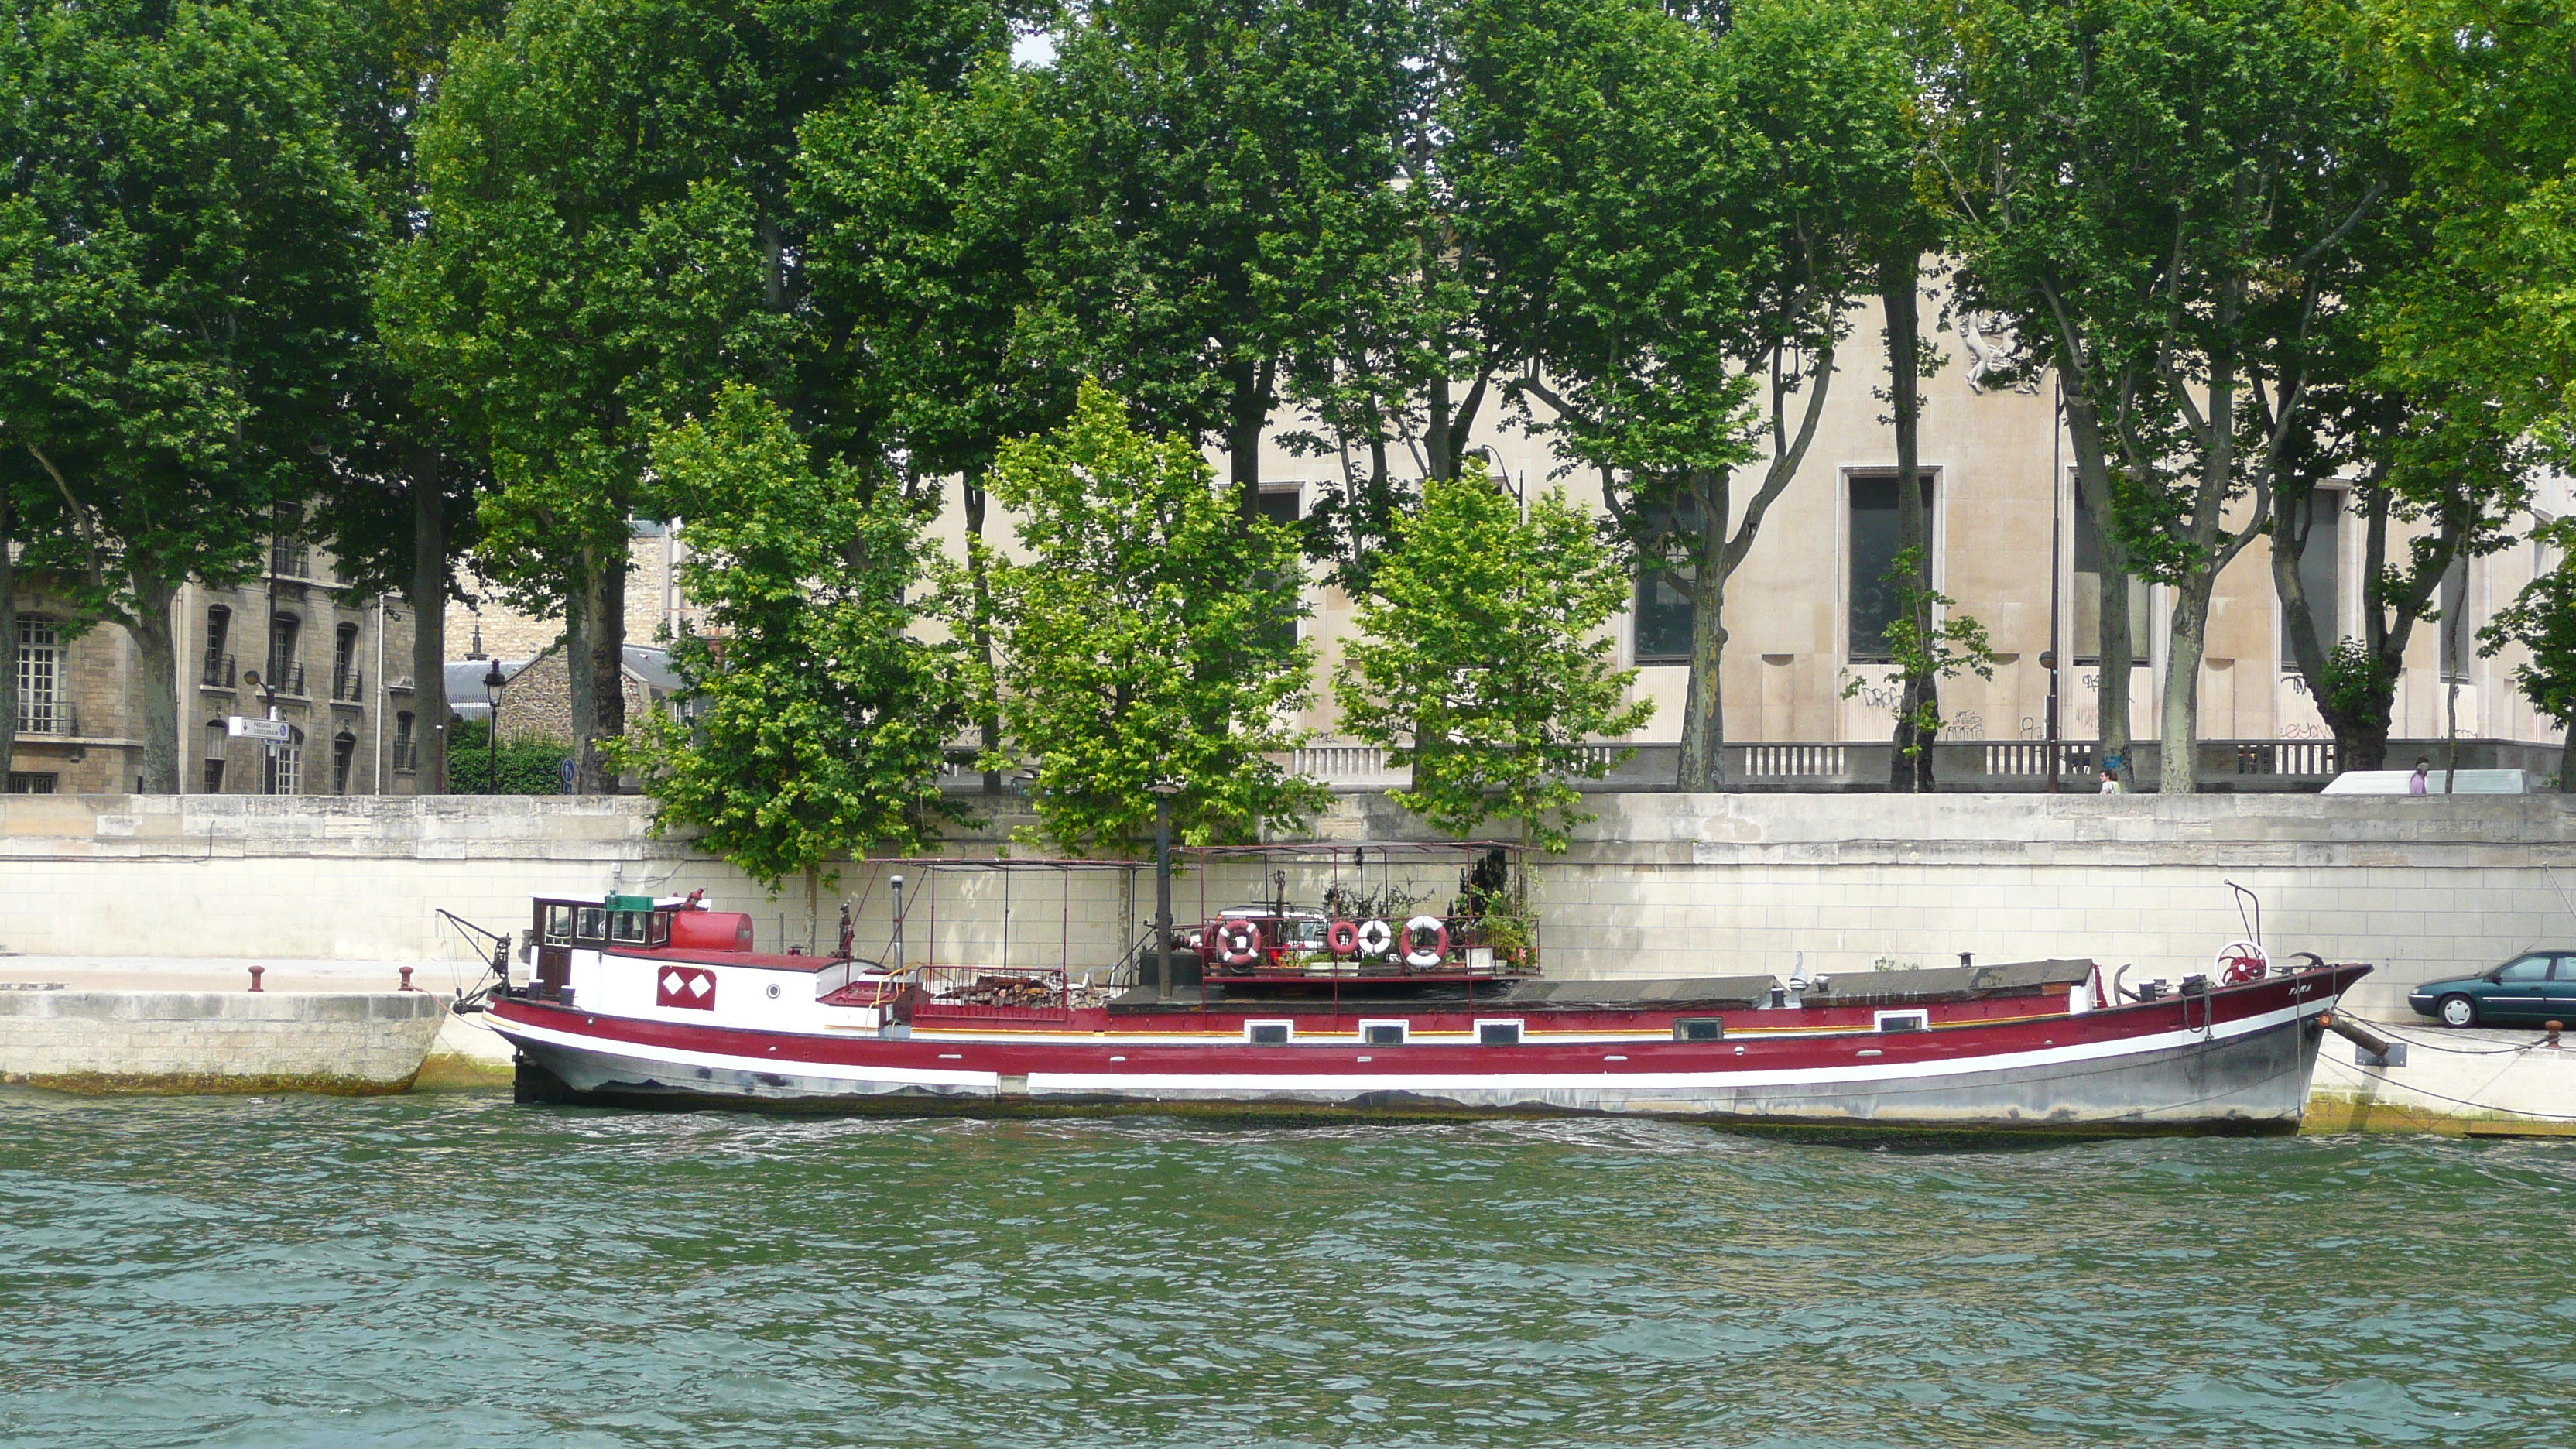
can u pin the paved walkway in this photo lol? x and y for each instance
(162, 973)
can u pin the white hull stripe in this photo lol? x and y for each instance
(1385, 1081)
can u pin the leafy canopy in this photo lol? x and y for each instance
(813, 720)
(1140, 637)
(1483, 661)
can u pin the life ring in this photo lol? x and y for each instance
(2240, 962)
(1341, 938)
(1238, 943)
(1374, 938)
(1417, 957)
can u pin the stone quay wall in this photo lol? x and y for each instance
(216, 1041)
(1659, 884)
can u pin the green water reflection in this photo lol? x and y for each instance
(440, 1271)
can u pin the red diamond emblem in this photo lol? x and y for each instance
(693, 987)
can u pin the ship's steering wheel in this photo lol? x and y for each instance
(2240, 962)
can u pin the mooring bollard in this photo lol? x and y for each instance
(2554, 1029)
(406, 976)
(254, 976)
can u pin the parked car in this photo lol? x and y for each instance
(2531, 988)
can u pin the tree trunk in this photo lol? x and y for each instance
(1703, 751)
(1910, 762)
(2178, 765)
(2093, 478)
(596, 644)
(2567, 761)
(427, 595)
(980, 579)
(1247, 417)
(1438, 454)
(8, 639)
(156, 648)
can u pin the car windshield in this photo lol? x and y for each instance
(2529, 968)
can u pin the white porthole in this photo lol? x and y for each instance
(1498, 1033)
(773, 991)
(1385, 1033)
(1269, 1033)
(1902, 1020)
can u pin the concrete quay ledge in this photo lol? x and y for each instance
(2482, 1083)
(350, 1043)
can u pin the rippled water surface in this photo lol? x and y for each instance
(455, 1270)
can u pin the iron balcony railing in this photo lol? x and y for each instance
(284, 678)
(48, 717)
(219, 672)
(349, 686)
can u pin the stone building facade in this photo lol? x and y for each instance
(335, 668)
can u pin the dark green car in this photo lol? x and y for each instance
(2532, 988)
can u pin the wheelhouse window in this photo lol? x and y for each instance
(632, 928)
(590, 926)
(558, 925)
(1872, 601)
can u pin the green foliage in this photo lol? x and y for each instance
(1138, 638)
(1482, 661)
(1945, 647)
(180, 260)
(813, 721)
(2542, 619)
(529, 765)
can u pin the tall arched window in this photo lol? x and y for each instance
(217, 741)
(345, 674)
(344, 753)
(219, 641)
(282, 674)
(286, 766)
(40, 678)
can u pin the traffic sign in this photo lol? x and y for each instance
(274, 731)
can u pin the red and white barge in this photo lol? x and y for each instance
(637, 1001)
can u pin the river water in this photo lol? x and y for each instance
(457, 1271)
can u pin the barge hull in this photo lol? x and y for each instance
(2245, 1075)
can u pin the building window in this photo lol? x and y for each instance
(1872, 552)
(218, 740)
(344, 664)
(403, 745)
(282, 672)
(1281, 506)
(32, 782)
(286, 556)
(1660, 625)
(2459, 631)
(2320, 573)
(219, 637)
(40, 676)
(1663, 619)
(344, 753)
(286, 766)
(2092, 561)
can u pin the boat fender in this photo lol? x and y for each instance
(1418, 956)
(1238, 943)
(1375, 938)
(1341, 938)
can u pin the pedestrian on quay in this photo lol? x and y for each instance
(2110, 781)
(2420, 783)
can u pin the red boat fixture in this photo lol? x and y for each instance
(1350, 1007)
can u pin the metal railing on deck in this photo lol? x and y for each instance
(991, 993)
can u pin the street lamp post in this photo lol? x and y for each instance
(493, 679)
(1163, 790)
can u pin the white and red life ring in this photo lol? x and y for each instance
(1238, 943)
(1374, 938)
(1418, 956)
(1341, 938)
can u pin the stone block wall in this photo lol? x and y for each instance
(199, 1040)
(1660, 884)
